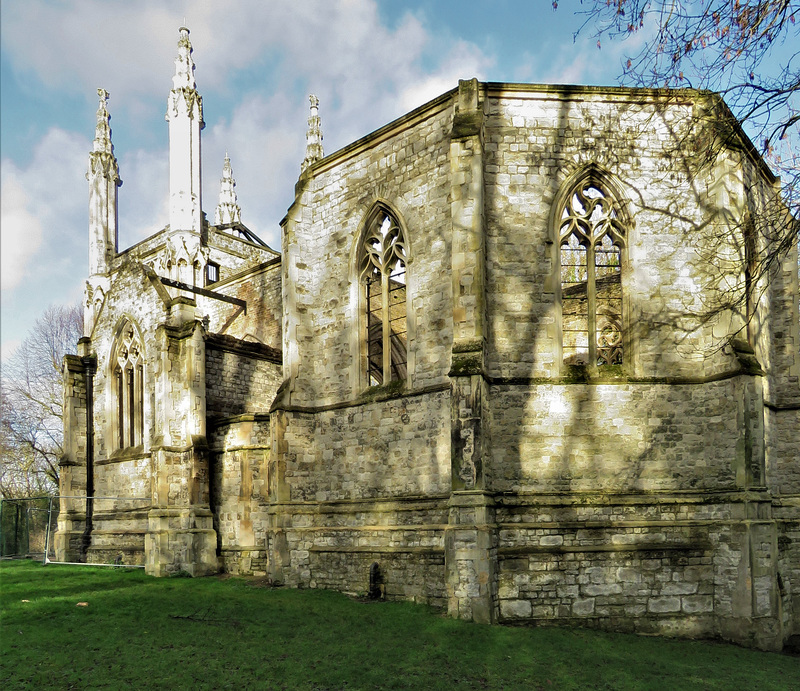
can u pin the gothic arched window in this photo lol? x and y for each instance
(127, 383)
(382, 269)
(591, 238)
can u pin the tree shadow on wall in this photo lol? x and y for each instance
(719, 236)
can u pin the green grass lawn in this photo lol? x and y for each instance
(214, 633)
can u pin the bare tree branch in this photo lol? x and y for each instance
(31, 415)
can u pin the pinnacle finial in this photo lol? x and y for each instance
(314, 150)
(102, 132)
(184, 65)
(228, 210)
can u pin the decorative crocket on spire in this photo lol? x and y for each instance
(313, 136)
(184, 65)
(102, 132)
(228, 210)
(101, 159)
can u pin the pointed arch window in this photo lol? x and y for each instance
(383, 276)
(128, 389)
(592, 240)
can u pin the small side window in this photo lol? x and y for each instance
(212, 273)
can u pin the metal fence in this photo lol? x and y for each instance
(28, 525)
(24, 526)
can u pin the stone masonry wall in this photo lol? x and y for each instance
(239, 377)
(394, 448)
(622, 437)
(334, 545)
(409, 169)
(261, 290)
(240, 451)
(534, 142)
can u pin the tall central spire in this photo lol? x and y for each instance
(185, 118)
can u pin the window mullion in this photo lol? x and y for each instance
(591, 304)
(120, 408)
(131, 408)
(387, 343)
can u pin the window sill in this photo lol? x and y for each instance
(131, 453)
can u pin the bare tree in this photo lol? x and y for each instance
(749, 53)
(31, 426)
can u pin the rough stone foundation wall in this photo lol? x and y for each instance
(334, 545)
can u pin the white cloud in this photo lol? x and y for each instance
(265, 138)
(21, 230)
(256, 62)
(44, 208)
(144, 195)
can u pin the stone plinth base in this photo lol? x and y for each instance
(180, 539)
(68, 539)
(470, 558)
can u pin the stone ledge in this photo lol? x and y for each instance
(355, 403)
(380, 550)
(378, 504)
(237, 346)
(367, 528)
(627, 547)
(598, 498)
(644, 523)
(215, 422)
(133, 453)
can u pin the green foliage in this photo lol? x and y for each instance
(215, 633)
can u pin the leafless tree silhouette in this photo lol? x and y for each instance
(749, 53)
(31, 426)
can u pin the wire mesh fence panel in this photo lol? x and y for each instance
(23, 527)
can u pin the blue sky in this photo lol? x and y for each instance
(368, 61)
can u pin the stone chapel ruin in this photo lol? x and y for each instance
(494, 368)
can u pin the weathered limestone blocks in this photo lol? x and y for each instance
(181, 535)
(471, 558)
(180, 540)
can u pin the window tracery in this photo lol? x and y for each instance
(128, 389)
(591, 240)
(383, 275)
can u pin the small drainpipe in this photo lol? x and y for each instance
(89, 369)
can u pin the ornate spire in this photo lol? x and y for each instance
(102, 132)
(103, 177)
(313, 136)
(184, 65)
(185, 118)
(228, 210)
(101, 158)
